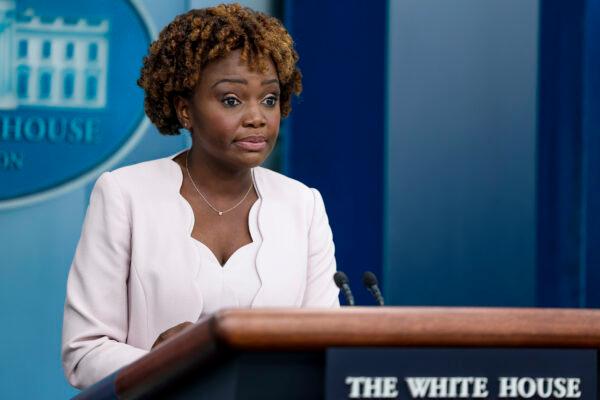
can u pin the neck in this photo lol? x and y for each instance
(215, 178)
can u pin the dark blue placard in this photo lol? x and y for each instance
(386, 371)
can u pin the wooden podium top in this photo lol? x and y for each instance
(311, 329)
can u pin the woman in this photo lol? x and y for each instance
(167, 241)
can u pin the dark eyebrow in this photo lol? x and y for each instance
(269, 81)
(242, 81)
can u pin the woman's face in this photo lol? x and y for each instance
(234, 113)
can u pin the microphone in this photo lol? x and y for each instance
(370, 282)
(341, 281)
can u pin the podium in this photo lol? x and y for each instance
(281, 353)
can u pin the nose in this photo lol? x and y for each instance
(254, 117)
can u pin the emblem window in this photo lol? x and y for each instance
(23, 73)
(68, 84)
(93, 52)
(69, 51)
(45, 84)
(91, 87)
(23, 47)
(46, 49)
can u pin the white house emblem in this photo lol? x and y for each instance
(69, 104)
(51, 64)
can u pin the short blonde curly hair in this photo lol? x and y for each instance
(175, 60)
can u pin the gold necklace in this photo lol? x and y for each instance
(205, 199)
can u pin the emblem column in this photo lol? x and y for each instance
(8, 98)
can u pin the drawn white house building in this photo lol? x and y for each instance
(51, 62)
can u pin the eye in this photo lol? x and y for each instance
(230, 101)
(271, 101)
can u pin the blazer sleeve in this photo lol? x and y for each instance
(96, 308)
(320, 289)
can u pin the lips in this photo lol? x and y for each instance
(251, 143)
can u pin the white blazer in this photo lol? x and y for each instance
(135, 271)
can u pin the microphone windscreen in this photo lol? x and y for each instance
(369, 279)
(340, 279)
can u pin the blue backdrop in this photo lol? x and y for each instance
(461, 152)
(455, 144)
(336, 141)
(568, 245)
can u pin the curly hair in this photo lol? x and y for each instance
(175, 60)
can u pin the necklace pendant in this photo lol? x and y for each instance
(187, 156)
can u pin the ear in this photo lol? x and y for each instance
(182, 108)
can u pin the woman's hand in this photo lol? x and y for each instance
(174, 331)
